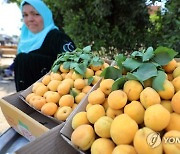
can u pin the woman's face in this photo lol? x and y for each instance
(32, 19)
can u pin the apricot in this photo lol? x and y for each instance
(56, 76)
(98, 73)
(88, 106)
(123, 129)
(176, 83)
(63, 88)
(76, 76)
(49, 109)
(124, 149)
(95, 79)
(136, 111)
(102, 126)
(86, 89)
(117, 99)
(133, 89)
(40, 90)
(175, 102)
(95, 67)
(171, 142)
(149, 97)
(102, 145)
(168, 91)
(36, 85)
(62, 69)
(83, 136)
(29, 96)
(79, 97)
(46, 79)
(96, 97)
(37, 102)
(52, 96)
(112, 113)
(53, 84)
(106, 86)
(153, 117)
(79, 119)
(167, 105)
(176, 72)
(170, 67)
(79, 84)
(66, 100)
(89, 73)
(95, 112)
(69, 81)
(62, 113)
(147, 141)
(174, 123)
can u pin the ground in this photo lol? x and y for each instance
(7, 87)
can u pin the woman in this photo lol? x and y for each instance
(40, 43)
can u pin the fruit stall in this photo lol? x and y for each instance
(130, 104)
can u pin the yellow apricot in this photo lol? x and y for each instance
(149, 97)
(153, 117)
(168, 91)
(175, 102)
(133, 89)
(96, 97)
(117, 99)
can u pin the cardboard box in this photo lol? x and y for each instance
(25, 120)
(67, 129)
(49, 143)
(23, 95)
(27, 91)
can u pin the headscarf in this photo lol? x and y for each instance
(28, 40)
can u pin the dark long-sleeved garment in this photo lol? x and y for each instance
(29, 67)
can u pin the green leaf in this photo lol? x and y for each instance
(136, 54)
(96, 61)
(148, 54)
(164, 55)
(119, 60)
(119, 83)
(111, 73)
(81, 69)
(85, 56)
(146, 71)
(131, 64)
(158, 81)
(132, 76)
(55, 68)
(66, 65)
(73, 93)
(87, 48)
(73, 65)
(90, 80)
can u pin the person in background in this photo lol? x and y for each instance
(40, 43)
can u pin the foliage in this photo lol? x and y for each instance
(106, 23)
(141, 65)
(117, 26)
(78, 60)
(165, 29)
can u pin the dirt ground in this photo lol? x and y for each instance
(7, 87)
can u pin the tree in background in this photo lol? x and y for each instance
(106, 23)
(165, 28)
(117, 25)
